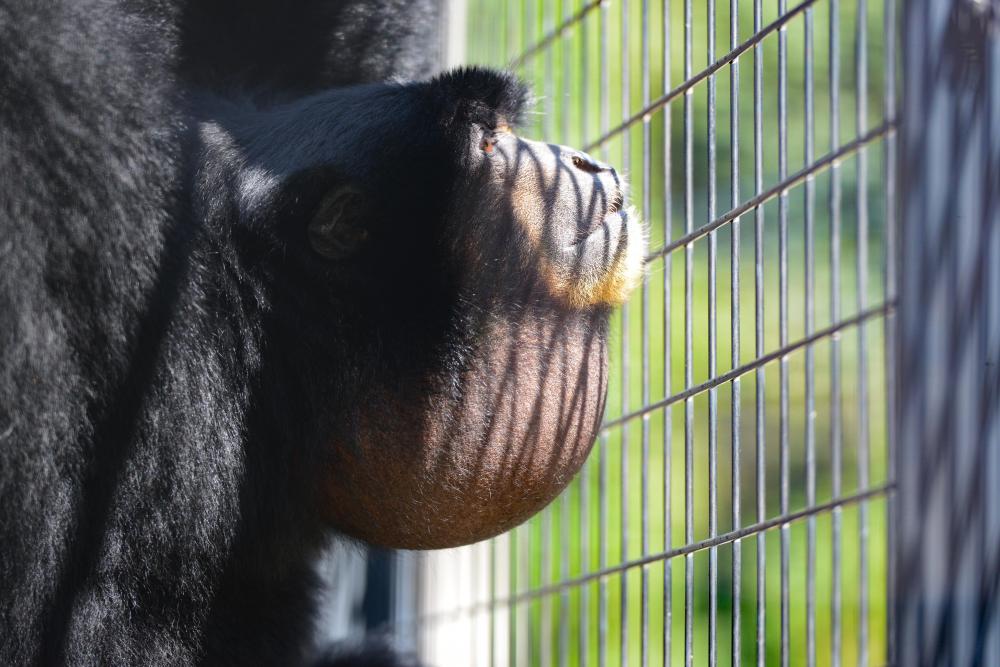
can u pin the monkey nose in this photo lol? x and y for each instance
(584, 162)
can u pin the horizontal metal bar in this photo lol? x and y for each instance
(729, 376)
(695, 79)
(690, 548)
(558, 32)
(769, 194)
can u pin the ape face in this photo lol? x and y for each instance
(468, 273)
(584, 247)
(512, 217)
(496, 281)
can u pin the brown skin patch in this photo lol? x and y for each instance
(485, 450)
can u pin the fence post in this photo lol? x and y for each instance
(947, 540)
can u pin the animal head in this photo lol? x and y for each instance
(452, 279)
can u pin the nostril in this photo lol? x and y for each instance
(584, 162)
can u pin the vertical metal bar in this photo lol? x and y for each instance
(948, 321)
(602, 599)
(759, 376)
(547, 25)
(734, 297)
(861, 102)
(584, 72)
(528, 20)
(624, 498)
(425, 566)
(563, 549)
(605, 120)
(583, 627)
(544, 579)
(688, 342)
(514, 45)
(585, 561)
(526, 23)
(646, 214)
(625, 331)
(491, 633)
(408, 594)
(836, 453)
(889, 277)
(668, 621)
(472, 609)
(513, 618)
(713, 398)
(605, 123)
(564, 511)
(530, 605)
(783, 327)
(492, 609)
(810, 353)
(545, 605)
(510, 29)
(529, 28)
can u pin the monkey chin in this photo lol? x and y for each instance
(604, 268)
(481, 450)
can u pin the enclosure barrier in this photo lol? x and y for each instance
(800, 460)
(948, 534)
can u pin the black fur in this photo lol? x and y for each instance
(170, 349)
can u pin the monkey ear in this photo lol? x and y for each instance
(337, 230)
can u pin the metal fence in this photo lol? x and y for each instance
(740, 504)
(947, 540)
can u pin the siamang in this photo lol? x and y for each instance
(265, 280)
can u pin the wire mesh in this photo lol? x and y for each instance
(734, 510)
